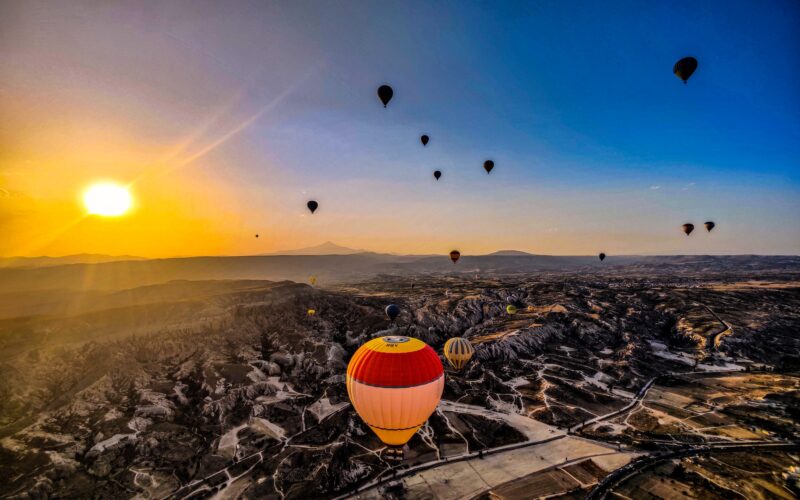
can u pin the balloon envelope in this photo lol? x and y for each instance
(602, 256)
(709, 226)
(684, 68)
(488, 165)
(392, 311)
(458, 352)
(437, 174)
(424, 140)
(455, 255)
(385, 94)
(394, 384)
(312, 205)
(311, 312)
(688, 228)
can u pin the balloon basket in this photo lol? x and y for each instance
(394, 454)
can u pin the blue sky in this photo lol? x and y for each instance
(597, 145)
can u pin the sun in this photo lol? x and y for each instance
(107, 199)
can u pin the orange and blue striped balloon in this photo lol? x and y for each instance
(395, 383)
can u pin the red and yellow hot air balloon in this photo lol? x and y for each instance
(395, 383)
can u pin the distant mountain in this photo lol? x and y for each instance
(327, 248)
(347, 268)
(510, 253)
(82, 258)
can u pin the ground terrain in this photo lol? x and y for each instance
(228, 387)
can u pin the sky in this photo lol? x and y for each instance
(225, 118)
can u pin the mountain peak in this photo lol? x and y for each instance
(327, 248)
(510, 253)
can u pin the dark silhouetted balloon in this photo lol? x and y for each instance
(488, 165)
(709, 226)
(424, 140)
(256, 236)
(455, 255)
(602, 256)
(684, 68)
(688, 228)
(437, 174)
(392, 311)
(385, 94)
(312, 205)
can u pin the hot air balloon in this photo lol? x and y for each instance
(511, 309)
(458, 352)
(392, 311)
(709, 226)
(488, 165)
(312, 280)
(437, 174)
(394, 384)
(455, 255)
(424, 139)
(256, 236)
(688, 228)
(312, 205)
(602, 256)
(684, 68)
(311, 312)
(385, 94)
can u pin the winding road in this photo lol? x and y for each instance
(618, 476)
(716, 340)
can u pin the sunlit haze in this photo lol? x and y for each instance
(225, 120)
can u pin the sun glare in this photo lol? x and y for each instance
(107, 199)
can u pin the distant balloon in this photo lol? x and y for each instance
(688, 228)
(312, 205)
(395, 384)
(392, 311)
(385, 94)
(458, 352)
(437, 174)
(602, 256)
(455, 255)
(488, 165)
(709, 226)
(256, 236)
(424, 140)
(511, 309)
(311, 312)
(684, 68)
(312, 280)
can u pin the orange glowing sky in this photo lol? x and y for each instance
(224, 122)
